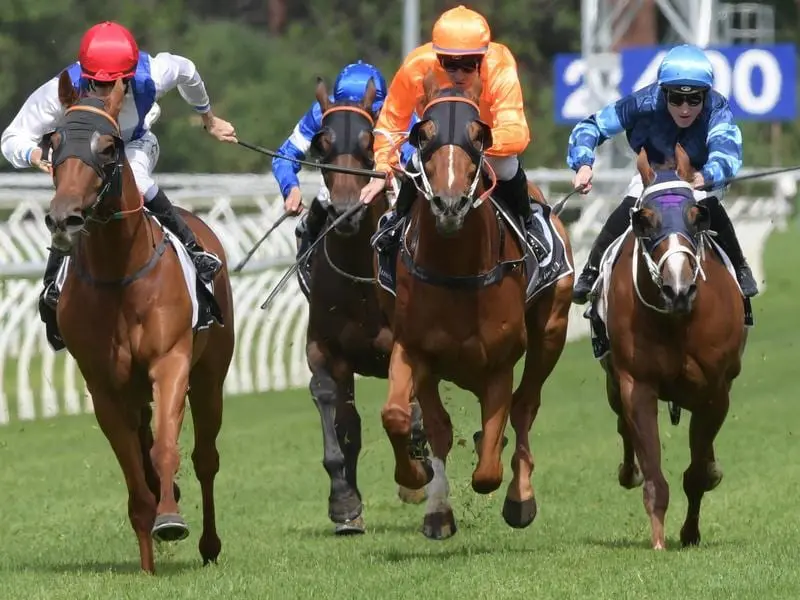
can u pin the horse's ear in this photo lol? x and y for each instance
(700, 217)
(321, 143)
(645, 170)
(643, 222)
(66, 91)
(322, 95)
(369, 95)
(421, 133)
(430, 86)
(480, 134)
(683, 164)
(115, 98)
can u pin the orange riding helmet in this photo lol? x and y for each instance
(461, 31)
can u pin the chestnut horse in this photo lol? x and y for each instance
(347, 332)
(125, 315)
(460, 314)
(676, 327)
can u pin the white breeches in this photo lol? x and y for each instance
(143, 156)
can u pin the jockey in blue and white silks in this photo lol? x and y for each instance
(681, 107)
(350, 85)
(108, 51)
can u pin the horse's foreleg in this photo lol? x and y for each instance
(439, 522)
(331, 388)
(170, 380)
(628, 473)
(640, 405)
(703, 474)
(546, 325)
(121, 430)
(412, 472)
(495, 406)
(418, 448)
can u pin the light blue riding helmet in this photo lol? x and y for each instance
(351, 83)
(686, 68)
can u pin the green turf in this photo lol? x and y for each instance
(64, 531)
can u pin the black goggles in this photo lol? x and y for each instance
(468, 63)
(678, 98)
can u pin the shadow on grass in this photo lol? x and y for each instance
(164, 567)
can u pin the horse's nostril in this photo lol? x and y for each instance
(48, 222)
(74, 222)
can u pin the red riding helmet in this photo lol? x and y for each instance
(108, 52)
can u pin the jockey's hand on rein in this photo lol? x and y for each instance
(219, 128)
(37, 161)
(372, 189)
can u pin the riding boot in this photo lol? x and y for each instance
(206, 263)
(615, 226)
(385, 238)
(514, 193)
(726, 237)
(310, 226)
(50, 293)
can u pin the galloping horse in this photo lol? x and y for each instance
(462, 314)
(126, 316)
(347, 332)
(676, 328)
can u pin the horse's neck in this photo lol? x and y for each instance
(120, 241)
(473, 249)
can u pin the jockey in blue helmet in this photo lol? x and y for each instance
(680, 107)
(350, 84)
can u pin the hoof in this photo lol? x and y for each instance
(714, 476)
(350, 527)
(170, 527)
(478, 436)
(439, 525)
(409, 496)
(690, 536)
(629, 476)
(519, 514)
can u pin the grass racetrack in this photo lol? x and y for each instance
(64, 530)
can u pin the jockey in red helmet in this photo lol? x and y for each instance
(108, 51)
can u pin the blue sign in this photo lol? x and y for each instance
(759, 81)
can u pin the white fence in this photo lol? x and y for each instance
(35, 382)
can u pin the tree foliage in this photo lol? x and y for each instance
(260, 60)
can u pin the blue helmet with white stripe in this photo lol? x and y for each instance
(686, 68)
(351, 83)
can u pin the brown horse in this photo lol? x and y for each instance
(460, 314)
(675, 322)
(126, 316)
(347, 332)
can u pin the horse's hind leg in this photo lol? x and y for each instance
(341, 439)
(640, 406)
(703, 474)
(121, 430)
(628, 472)
(206, 400)
(439, 522)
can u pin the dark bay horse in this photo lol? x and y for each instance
(125, 314)
(676, 327)
(347, 332)
(460, 314)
